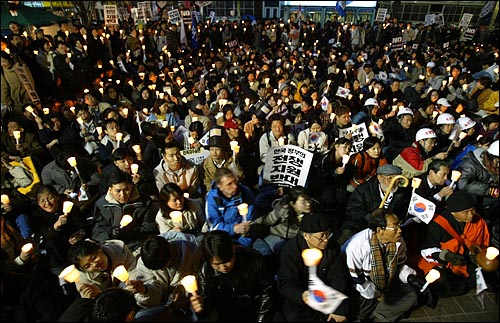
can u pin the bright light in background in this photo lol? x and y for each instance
(364, 4)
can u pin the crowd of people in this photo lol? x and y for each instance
(99, 125)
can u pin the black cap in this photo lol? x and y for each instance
(460, 200)
(315, 222)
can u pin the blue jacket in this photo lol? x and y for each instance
(222, 212)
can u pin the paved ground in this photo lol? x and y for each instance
(464, 308)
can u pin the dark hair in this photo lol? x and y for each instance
(155, 252)
(295, 192)
(485, 81)
(168, 190)
(172, 144)
(80, 249)
(378, 219)
(436, 164)
(148, 128)
(218, 244)
(120, 153)
(197, 126)
(112, 305)
(370, 142)
(46, 189)
(341, 110)
(119, 177)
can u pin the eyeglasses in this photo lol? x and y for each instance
(324, 236)
(395, 228)
(47, 200)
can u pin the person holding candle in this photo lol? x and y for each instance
(59, 227)
(192, 211)
(109, 142)
(270, 138)
(124, 198)
(415, 159)
(445, 123)
(96, 261)
(220, 156)
(162, 263)
(376, 258)
(221, 206)
(123, 159)
(233, 283)
(342, 121)
(399, 133)
(480, 171)
(313, 138)
(293, 274)
(196, 111)
(175, 168)
(87, 129)
(27, 144)
(447, 245)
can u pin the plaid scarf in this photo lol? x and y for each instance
(378, 273)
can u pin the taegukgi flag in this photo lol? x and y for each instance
(421, 208)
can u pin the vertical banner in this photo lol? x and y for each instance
(287, 166)
(28, 83)
(110, 15)
(146, 7)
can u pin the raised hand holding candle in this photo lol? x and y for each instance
(415, 182)
(27, 247)
(312, 256)
(243, 210)
(121, 273)
(134, 168)
(30, 110)
(176, 217)
(431, 277)
(189, 283)
(455, 175)
(233, 144)
(17, 136)
(5, 199)
(67, 206)
(70, 274)
(72, 161)
(126, 219)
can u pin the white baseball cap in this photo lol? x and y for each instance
(444, 102)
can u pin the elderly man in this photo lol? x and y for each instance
(368, 196)
(376, 260)
(449, 242)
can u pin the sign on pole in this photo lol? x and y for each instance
(110, 15)
(287, 166)
(465, 21)
(146, 6)
(381, 13)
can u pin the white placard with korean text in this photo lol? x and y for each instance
(359, 134)
(287, 165)
(197, 156)
(175, 16)
(381, 13)
(110, 15)
(465, 21)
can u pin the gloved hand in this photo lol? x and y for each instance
(453, 258)
(114, 232)
(493, 192)
(416, 282)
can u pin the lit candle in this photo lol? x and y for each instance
(72, 161)
(35, 52)
(46, 111)
(176, 217)
(189, 283)
(136, 149)
(191, 140)
(194, 119)
(332, 117)
(345, 160)
(27, 247)
(247, 101)
(69, 55)
(461, 136)
(236, 149)
(17, 136)
(464, 87)
(85, 47)
(80, 121)
(5, 199)
(134, 168)
(243, 210)
(125, 112)
(233, 144)
(164, 124)
(70, 274)
(172, 129)
(99, 130)
(67, 206)
(118, 137)
(434, 114)
(141, 75)
(415, 182)
(125, 220)
(186, 195)
(431, 277)
(491, 253)
(312, 256)
(121, 273)
(161, 95)
(29, 108)
(281, 141)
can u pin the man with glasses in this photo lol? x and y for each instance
(376, 260)
(293, 274)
